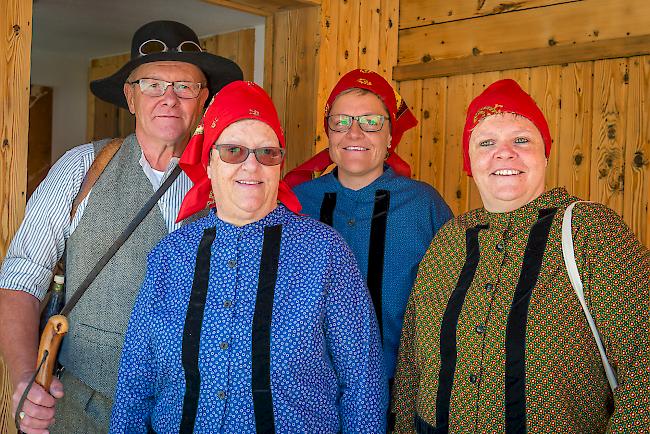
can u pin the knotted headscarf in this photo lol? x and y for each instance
(401, 120)
(503, 96)
(236, 101)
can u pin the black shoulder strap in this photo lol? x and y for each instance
(120, 240)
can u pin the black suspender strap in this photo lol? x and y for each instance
(376, 250)
(261, 356)
(515, 369)
(327, 209)
(448, 349)
(192, 331)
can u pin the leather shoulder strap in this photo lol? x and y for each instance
(95, 171)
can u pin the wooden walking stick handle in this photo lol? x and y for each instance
(56, 328)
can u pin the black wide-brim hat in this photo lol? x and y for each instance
(218, 70)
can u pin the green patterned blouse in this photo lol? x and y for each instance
(495, 339)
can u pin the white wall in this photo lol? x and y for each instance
(67, 74)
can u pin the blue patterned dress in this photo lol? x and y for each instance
(324, 361)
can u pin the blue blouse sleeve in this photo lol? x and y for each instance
(134, 396)
(354, 344)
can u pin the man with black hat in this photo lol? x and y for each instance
(165, 85)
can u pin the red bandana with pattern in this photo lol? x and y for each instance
(236, 101)
(401, 120)
(503, 96)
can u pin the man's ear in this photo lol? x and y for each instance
(129, 95)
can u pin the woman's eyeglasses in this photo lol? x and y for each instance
(342, 123)
(235, 154)
(155, 87)
(153, 46)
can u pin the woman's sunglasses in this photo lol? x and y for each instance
(235, 154)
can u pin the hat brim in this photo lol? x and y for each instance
(218, 70)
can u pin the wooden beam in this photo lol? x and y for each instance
(416, 13)
(268, 54)
(15, 52)
(550, 26)
(15, 48)
(557, 55)
(263, 7)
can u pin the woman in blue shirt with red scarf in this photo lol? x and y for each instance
(387, 218)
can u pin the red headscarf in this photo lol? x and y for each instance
(503, 96)
(236, 101)
(401, 120)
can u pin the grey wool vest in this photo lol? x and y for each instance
(92, 348)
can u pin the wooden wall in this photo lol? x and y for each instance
(39, 154)
(15, 46)
(307, 50)
(106, 120)
(597, 109)
(353, 34)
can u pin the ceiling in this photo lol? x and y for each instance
(97, 28)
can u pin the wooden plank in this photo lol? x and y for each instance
(281, 52)
(300, 116)
(416, 13)
(264, 7)
(244, 6)
(15, 44)
(369, 34)
(238, 46)
(15, 48)
(125, 123)
(607, 49)
(246, 53)
(268, 55)
(637, 149)
(523, 30)
(348, 39)
(409, 146)
(39, 154)
(521, 76)
(106, 120)
(228, 45)
(210, 44)
(608, 133)
(432, 144)
(328, 73)
(98, 124)
(574, 145)
(459, 95)
(388, 37)
(545, 88)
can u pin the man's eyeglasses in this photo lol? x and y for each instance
(153, 46)
(235, 154)
(154, 87)
(342, 123)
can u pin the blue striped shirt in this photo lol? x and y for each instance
(40, 239)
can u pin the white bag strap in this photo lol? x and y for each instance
(574, 276)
